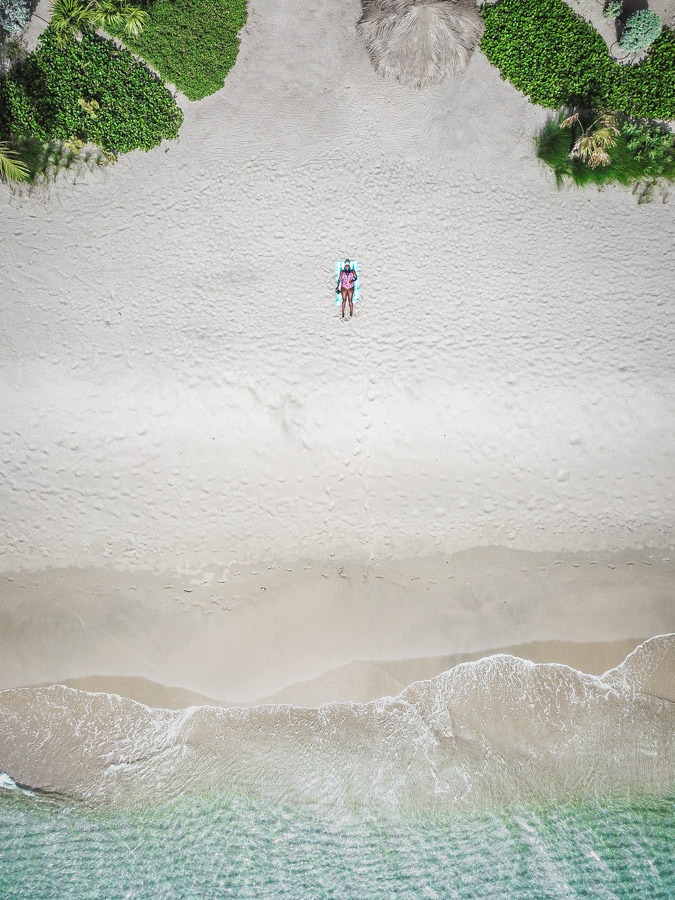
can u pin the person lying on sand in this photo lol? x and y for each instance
(346, 280)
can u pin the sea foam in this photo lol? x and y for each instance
(501, 729)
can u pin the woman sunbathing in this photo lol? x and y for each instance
(345, 284)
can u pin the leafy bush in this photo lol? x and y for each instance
(125, 106)
(557, 59)
(642, 29)
(639, 154)
(14, 15)
(191, 43)
(653, 146)
(613, 9)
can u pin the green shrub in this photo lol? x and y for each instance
(191, 43)
(641, 155)
(642, 29)
(557, 59)
(14, 15)
(91, 91)
(652, 146)
(613, 9)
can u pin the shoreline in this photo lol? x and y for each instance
(460, 739)
(308, 633)
(363, 681)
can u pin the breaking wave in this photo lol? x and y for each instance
(498, 730)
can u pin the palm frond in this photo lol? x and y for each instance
(12, 167)
(598, 157)
(135, 19)
(605, 137)
(107, 12)
(582, 147)
(69, 17)
(610, 122)
(570, 120)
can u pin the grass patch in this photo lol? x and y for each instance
(557, 59)
(191, 43)
(87, 91)
(643, 155)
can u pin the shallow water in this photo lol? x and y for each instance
(233, 846)
(499, 778)
(500, 730)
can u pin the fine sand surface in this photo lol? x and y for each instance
(318, 633)
(179, 392)
(180, 397)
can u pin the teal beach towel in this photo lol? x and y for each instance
(357, 287)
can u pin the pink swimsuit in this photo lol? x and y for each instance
(347, 280)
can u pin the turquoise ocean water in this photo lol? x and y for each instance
(220, 846)
(497, 779)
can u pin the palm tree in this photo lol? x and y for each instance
(12, 167)
(595, 140)
(119, 12)
(71, 17)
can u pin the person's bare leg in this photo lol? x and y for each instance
(351, 303)
(344, 302)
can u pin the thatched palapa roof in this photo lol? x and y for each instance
(419, 42)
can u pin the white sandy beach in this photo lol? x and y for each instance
(181, 402)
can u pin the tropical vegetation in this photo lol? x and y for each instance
(80, 99)
(558, 59)
(585, 148)
(193, 44)
(90, 91)
(71, 18)
(12, 166)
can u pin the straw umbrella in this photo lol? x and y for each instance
(419, 42)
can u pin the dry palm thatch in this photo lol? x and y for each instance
(419, 42)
